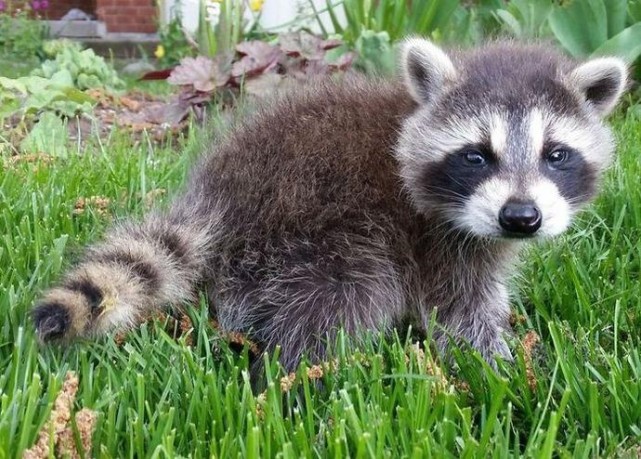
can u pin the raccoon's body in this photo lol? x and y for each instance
(364, 204)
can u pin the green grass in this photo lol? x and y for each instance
(160, 397)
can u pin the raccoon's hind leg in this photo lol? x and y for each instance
(138, 269)
(306, 291)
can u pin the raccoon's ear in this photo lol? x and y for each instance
(601, 81)
(426, 68)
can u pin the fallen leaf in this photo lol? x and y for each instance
(130, 103)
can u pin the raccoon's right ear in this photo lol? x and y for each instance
(426, 68)
(601, 81)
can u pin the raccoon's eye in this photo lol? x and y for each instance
(556, 158)
(474, 158)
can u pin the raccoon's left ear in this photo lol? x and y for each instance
(601, 81)
(426, 68)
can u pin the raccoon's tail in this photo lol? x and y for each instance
(138, 269)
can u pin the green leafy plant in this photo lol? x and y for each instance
(49, 134)
(397, 18)
(174, 44)
(376, 25)
(526, 18)
(634, 10)
(87, 70)
(34, 94)
(20, 35)
(257, 67)
(223, 25)
(51, 48)
(375, 53)
(594, 27)
(484, 16)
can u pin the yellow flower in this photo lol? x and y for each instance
(160, 52)
(256, 5)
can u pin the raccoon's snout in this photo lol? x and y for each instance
(520, 218)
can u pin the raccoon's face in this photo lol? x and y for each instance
(508, 141)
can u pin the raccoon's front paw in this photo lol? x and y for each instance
(51, 320)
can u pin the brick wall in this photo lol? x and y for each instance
(128, 16)
(58, 8)
(137, 16)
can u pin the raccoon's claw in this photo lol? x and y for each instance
(51, 320)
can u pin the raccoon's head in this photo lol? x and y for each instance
(508, 140)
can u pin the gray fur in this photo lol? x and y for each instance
(320, 210)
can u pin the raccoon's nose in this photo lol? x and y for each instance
(520, 218)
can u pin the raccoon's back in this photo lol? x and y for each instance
(315, 160)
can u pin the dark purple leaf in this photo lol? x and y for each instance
(162, 74)
(344, 61)
(203, 73)
(317, 67)
(331, 43)
(301, 44)
(263, 85)
(258, 57)
(174, 112)
(194, 98)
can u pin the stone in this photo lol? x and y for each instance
(137, 68)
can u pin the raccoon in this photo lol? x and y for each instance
(364, 204)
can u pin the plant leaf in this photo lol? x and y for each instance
(510, 22)
(569, 23)
(203, 73)
(13, 84)
(626, 44)
(617, 11)
(49, 135)
(62, 78)
(77, 96)
(375, 54)
(340, 58)
(258, 57)
(263, 85)
(302, 44)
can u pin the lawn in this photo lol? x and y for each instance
(575, 393)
